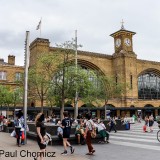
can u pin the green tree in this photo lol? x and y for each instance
(2, 95)
(6, 97)
(109, 88)
(69, 80)
(17, 96)
(40, 76)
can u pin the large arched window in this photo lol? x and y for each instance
(149, 86)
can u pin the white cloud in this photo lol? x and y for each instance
(95, 20)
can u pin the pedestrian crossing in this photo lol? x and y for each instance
(135, 137)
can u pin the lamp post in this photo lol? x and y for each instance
(76, 94)
(27, 54)
(76, 63)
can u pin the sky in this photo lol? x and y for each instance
(94, 21)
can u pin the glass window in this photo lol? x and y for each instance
(149, 86)
(18, 76)
(3, 75)
(131, 81)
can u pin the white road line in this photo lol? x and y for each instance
(138, 136)
(136, 132)
(141, 129)
(135, 139)
(129, 144)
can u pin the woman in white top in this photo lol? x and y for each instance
(87, 136)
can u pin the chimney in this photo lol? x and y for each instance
(1, 60)
(11, 59)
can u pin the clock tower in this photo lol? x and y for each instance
(123, 40)
(124, 62)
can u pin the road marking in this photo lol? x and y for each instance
(129, 144)
(135, 139)
(151, 136)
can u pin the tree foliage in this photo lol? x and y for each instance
(40, 76)
(10, 97)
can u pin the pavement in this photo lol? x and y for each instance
(124, 145)
(27, 152)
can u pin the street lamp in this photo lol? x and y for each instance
(76, 94)
(27, 54)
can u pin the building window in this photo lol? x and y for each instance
(116, 80)
(3, 75)
(149, 86)
(131, 81)
(18, 76)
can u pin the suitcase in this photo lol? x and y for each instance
(144, 128)
(127, 127)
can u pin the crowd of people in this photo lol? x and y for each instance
(84, 127)
(83, 132)
(4, 122)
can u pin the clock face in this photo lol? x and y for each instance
(127, 42)
(118, 42)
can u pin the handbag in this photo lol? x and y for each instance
(47, 138)
(82, 131)
(23, 136)
(13, 134)
(93, 132)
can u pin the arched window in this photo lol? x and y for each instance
(149, 86)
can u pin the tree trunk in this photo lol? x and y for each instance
(62, 110)
(42, 105)
(62, 100)
(76, 106)
(7, 113)
(105, 108)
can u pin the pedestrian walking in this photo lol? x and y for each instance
(41, 132)
(87, 136)
(1, 122)
(139, 118)
(66, 125)
(112, 124)
(146, 123)
(59, 131)
(151, 122)
(19, 127)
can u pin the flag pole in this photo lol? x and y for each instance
(40, 27)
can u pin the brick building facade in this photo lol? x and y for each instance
(122, 63)
(141, 75)
(9, 72)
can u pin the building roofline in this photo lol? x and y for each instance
(122, 31)
(148, 61)
(81, 52)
